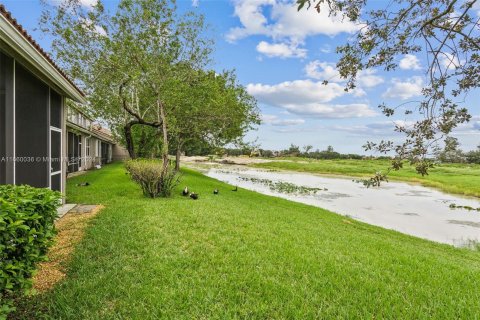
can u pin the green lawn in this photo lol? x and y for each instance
(455, 178)
(244, 255)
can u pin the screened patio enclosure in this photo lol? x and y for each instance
(31, 130)
(32, 117)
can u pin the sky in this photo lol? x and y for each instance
(282, 56)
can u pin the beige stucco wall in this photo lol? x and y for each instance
(119, 153)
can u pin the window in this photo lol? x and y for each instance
(87, 147)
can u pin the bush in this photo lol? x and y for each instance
(473, 157)
(148, 174)
(27, 230)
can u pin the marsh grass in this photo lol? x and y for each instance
(453, 178)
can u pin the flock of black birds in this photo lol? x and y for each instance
(185, 191)
(194, 195)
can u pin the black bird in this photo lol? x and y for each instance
(84, 184)
(236, 189)
(215, 191)
(194, 195)
(185, 192)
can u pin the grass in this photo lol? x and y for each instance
(454, 178)
(243, 255)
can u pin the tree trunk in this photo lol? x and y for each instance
(165, 138)
(127, 131)
(177, 158)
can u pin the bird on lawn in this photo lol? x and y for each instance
(84, 184)
(194, 195)
(236, 189)
(185, 192)
(215, 191)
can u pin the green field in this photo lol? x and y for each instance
(243, 255)
(454, 178)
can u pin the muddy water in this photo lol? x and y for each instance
(411, 209)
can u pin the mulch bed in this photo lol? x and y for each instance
(70, 230)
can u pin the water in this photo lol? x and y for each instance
(410, 209)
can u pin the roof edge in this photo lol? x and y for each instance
(23, 44)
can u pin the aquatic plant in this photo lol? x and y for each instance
(469, 208)
(284, 187)
(374, 181)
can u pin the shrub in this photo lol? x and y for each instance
(148, 174)
(27, 230)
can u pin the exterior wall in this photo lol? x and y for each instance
(64, 146)
(31, 120)
(7, 149)
(32, 125)
(119, 153)
(94, 151)
(3, 122)
(32, 110)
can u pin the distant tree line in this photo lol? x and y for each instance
(451, 153)
(292, 151)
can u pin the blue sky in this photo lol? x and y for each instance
(282, 56)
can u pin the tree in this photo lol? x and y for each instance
(451, 152)
(128, 62)
(293, 150)
(212, 109)
(447, 31)
(473, 156)
(307, 149)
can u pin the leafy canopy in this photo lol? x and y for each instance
(447, 32)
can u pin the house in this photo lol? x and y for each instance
(89, 145)
(40, 139)
(33, 128)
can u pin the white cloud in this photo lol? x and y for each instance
(281, 50)
(468, 128)
(449, 61)
(299, 25)
(331, 111)
(383, 128)
(322, 71)
(410, 62)
(306, 97)
(328, 71)
(368, 78)
(284, 21)
(251, 17)
(276, 121)
(326, 48)
(358, 92)
(88, 3)
(407, 89)
(84, 3)
(87, 24)
(298, 91)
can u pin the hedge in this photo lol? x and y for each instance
(27, 230)
(148, 173)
